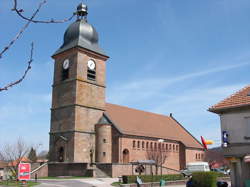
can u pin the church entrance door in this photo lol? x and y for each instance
(125, 156)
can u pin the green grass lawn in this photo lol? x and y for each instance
(116, 183)
(17, 183)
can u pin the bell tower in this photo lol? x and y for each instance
(78, 97)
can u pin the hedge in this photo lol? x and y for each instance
(204, 179)
(148, 178)
(222, 175)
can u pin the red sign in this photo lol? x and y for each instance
(24, 171)
(204, 143)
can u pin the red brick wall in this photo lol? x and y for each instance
(177, 154)
(139, 152)
(194, 155)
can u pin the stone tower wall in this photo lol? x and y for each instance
(103, 143)
(77, 105)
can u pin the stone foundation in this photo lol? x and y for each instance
(118, 169)
(69, 169)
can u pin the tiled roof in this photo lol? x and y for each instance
(238, 99)
(140, 123)
(17, 161)
(3, 164)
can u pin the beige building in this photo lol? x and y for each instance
(234, 113)
(3, 165)
(89, 136)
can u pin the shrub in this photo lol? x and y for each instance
(222, 175)
(204, 179)
(148, 178)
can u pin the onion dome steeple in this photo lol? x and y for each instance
(81, 33)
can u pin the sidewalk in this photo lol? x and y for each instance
(99, 182)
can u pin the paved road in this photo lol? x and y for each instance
(63, 183)
(87, 182)
(183, 185)
(90, 182)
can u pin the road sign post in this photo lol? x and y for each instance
(24, 171)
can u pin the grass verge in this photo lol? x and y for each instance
(63, 177)
(18, 183)
(116, 183)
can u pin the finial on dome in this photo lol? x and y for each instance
(82, 11)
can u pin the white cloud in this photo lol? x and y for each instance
(197, 98)
(190, 109)
(138, 90)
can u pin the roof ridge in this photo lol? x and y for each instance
(140, 110)
(229, 97)
(136, 122)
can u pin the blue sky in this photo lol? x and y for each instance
(166, 56)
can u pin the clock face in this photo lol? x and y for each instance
(91, 64)
(66, 64)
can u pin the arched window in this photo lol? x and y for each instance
(155, 146)
(147, 145)
(159, 146)
(138, 144)
(167, 147)
(199, 156)
(151, 145)
(134, 144)
(125, 156)
(173, 147)
(142, 145)
(61, 154)
(170, 147)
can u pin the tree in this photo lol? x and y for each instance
(158, 155)
(29, 20)
(13, 154)
(43, 155)
(215, 158)
(32, 155)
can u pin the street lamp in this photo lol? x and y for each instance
(161, 141)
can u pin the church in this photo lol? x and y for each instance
(88, 135)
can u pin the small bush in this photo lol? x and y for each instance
(222, 175)
(148, 178)
(204, 179)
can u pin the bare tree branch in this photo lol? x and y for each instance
(18, 35)
(13, 154)
(25, 72)
(19, 12)
(158, 155)
(22, 29)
